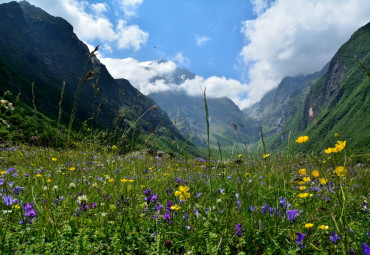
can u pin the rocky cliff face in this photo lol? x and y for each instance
(37, 47)
(328, 92)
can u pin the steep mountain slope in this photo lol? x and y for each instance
(189, 114)
(37, 47)
(279, 105)
(340, 100)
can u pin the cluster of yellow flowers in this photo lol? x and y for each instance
(339, 146)
(302, 139)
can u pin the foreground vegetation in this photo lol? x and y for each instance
(57, 201)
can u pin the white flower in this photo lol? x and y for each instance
(72, 185)
(55, 187)
(82, 199)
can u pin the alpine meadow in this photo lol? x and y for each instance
(93, 163)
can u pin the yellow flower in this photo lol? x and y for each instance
(308, 225)
(16, 206)
(323, 227)
(182, 192)
(130, 181)
(302, 187)
(302, 171)
(340, 171)
(114, 148)
(125, 180)
(49, 180)
(306, 179)
(38, 175)
(175, 207)
(315, 173)
(336, 135)
(111, 180)
(265, 155)
(3, 172)
(142, 186)
(323, 181)
(166, 174)
(328, 150)
(340, 145)
(303, 195)
(240, 155)
(302, 139)
(54, 159)
(72, 168)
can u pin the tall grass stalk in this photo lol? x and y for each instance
(81, 82)
(208, 142)
(60, 102)
(33, 96)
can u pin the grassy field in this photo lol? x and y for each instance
(58, 201)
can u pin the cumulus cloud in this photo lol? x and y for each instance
(130, 7)
(90, 22)
(292, 37)
(179, 58)
(140, 74)
(201, 40)
(130, 36)
(150, 77)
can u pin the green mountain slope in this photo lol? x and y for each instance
(340, 101)
(37, 47)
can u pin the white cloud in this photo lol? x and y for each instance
(259, 6)
(179, 58)
(130, 7)
(99, 8)
(130, 36)
(95, 25)
(201, 40)
(141, 74)
(295, 37)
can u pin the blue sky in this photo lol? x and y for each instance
(240, 49)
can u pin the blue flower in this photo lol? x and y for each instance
(334, 238)
(238, 230)
(283, 202)
(365, 248)
(300, 240)
(291, 214)
(8, 200)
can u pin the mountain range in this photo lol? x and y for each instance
(38, 48)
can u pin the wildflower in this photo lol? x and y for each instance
(365, 248)
(3, 172)
(291, 214)
(336, 135)
(302, 187)
(240, 155)
(283, 202)
(323, 227)
(48, 180)
(306, 179)
(72, 185)
(302, 139)
(182, 193)
(82, 199)
(55, 187)
(112, 207)
(29, 212)
(328, 150)
(334, 238)
(323, 181)
(166, 174)
(8, 200)
(111, 180)
(265, 155)
(340, 171)
(72, 168)
(38, 175)
(308, 225)
(16, 206)
(300, 239)
(114, 148)
(175, 207)
(54, 159)
(339, 146)
(302, 171)
(303, 195)
(238, 230)
(315, 173)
